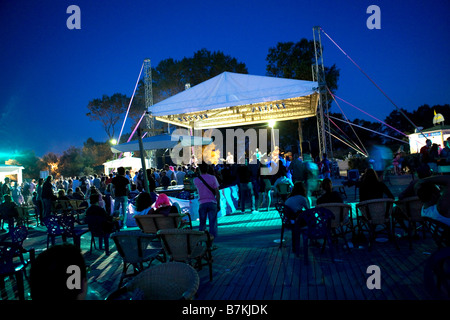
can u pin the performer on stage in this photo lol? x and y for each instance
(230, 158)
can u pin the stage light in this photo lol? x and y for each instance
(272, 123)
(113, 141)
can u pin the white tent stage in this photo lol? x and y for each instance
(233, 99)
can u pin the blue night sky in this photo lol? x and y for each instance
(49, 73)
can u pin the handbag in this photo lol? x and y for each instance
(210, 188)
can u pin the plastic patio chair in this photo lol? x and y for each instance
(375, 213)
(188, 246)
(166, 281)
(288, 222)
(135, 248)
(342, 221)
(10, 269)
(410, 210)
(318, 226)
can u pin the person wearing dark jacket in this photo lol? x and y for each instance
(47, 196)
(371, 187)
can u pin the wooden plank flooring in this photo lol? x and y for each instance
(250, 265)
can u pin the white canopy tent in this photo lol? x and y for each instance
(127, 162)
(8, 171)
(233, 99)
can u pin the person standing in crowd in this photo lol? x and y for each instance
(39, 202)
(47, 196)
(325, 167)
(245, 187)
(6, 187)
(120, 190)
(208, 199)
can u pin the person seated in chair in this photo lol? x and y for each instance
(62, 195)
(143, 204)
(330, 196)
(372, 188)
(423, 171)
(163, 205)
(109, 223)
(434, 192)
(297, 199)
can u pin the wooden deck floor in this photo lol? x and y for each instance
(250, 265)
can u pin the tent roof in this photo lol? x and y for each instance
(162, 141)
(9, 168)
(232, 99)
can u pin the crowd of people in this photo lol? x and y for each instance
(292, 179)
(257, 182)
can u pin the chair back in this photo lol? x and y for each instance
(342, 213)
(131, 245)
(353, 175)
(166, 281)
(439, 231)
(22, 213)
(318, 222)
(287, 215)
(67, 223)
(152, 223)
(18, 234)
(184, 244)
(65, 205)
(283, 188)
(53, 225)
(412, 208)
(7, 252)
(376, 211)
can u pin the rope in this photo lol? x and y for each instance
(385, 135)
(378, 87)
(346, 143)
(129, 105)
(348, 121)
(345, 135)
(372, 116)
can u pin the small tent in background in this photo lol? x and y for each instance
(13, 172)
(128, 162)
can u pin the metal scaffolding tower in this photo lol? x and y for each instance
(323, 122)
(149, 120)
